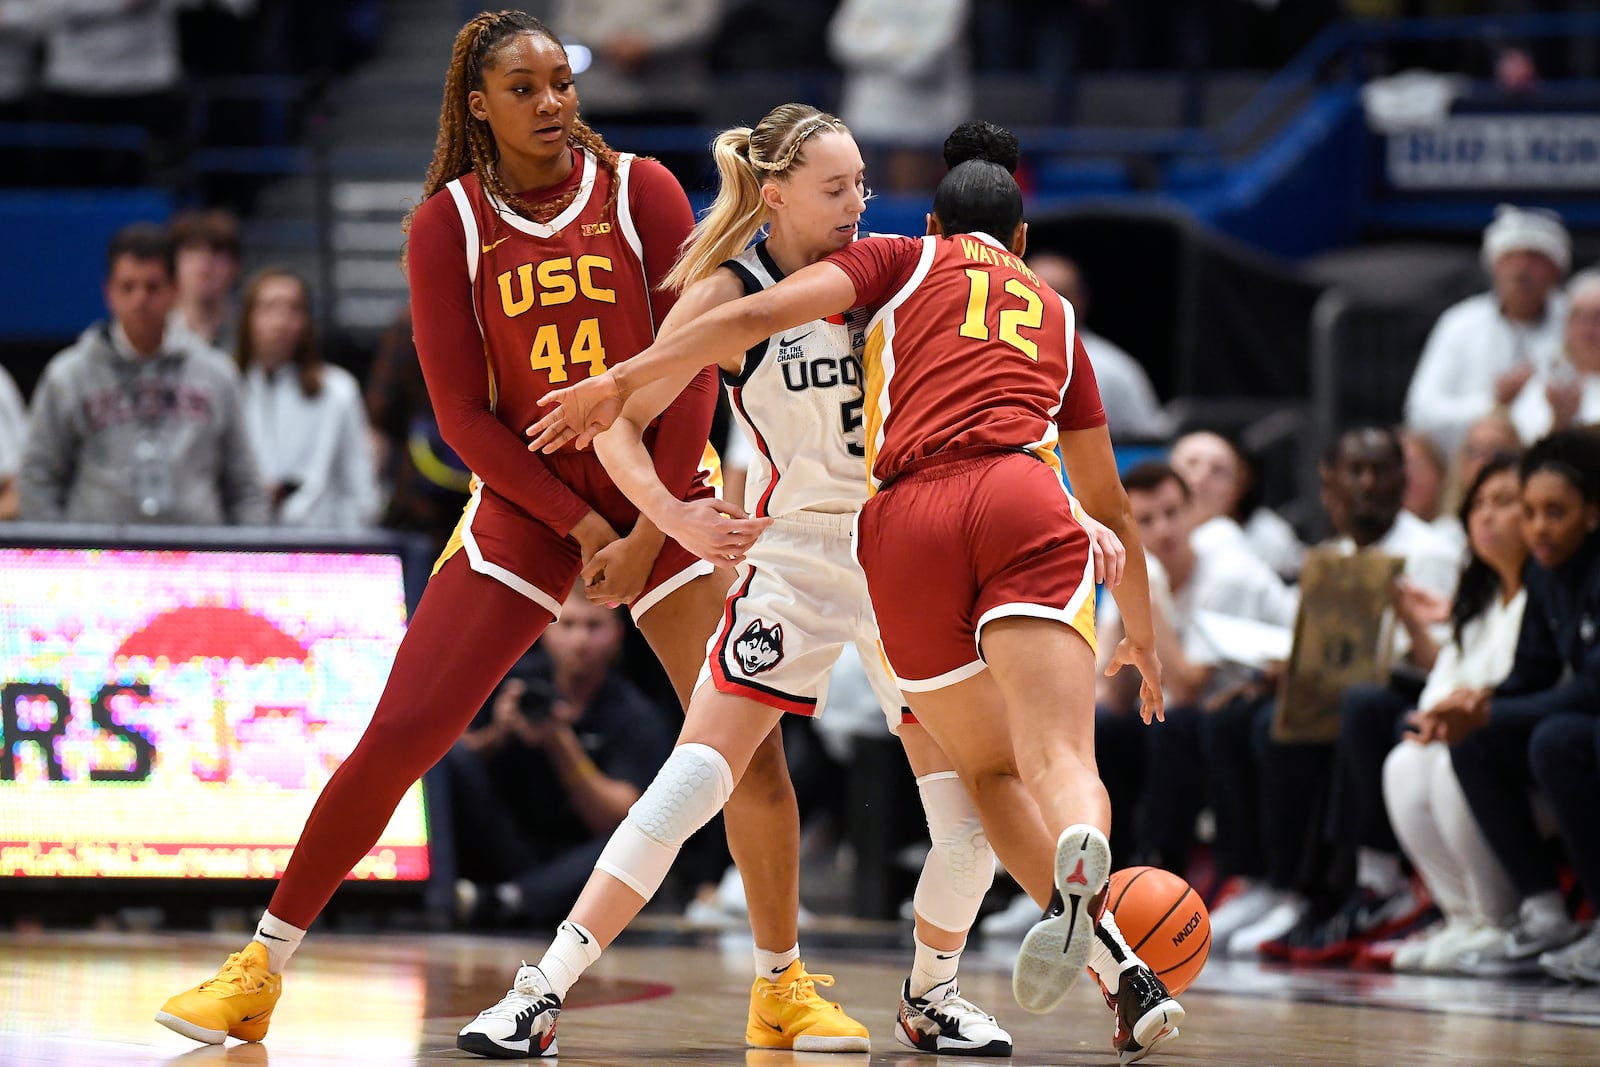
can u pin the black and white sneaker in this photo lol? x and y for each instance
(1055, 951)
(521, 1027)
(1147, 1016)
(946, 1023)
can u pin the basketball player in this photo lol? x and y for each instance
(980, 551)
(541, 251)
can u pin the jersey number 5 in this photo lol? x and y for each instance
(1012, 320)
(586, 348)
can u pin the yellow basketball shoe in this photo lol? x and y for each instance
(787, 1013)
(238, 1002)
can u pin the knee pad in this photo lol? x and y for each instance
(960, 864)
(690, 788)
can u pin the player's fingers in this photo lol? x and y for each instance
(554, 396)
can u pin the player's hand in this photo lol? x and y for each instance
(715, 530)
(617, 573)
(581, 412)
(1107, 550)
(1152, 706)
(592, 534)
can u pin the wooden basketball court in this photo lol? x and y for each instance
(86, 998)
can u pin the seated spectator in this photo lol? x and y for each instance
(1422, 797)
(1536, 728)
(206, 244)
(1132, 410)
(1220, 477)
(136, 422)
(1363, 482)
(1487, 437)
(306, 416)
(1427, 483)
(13, 437)
(424, 480)
(649, 60)
(1568, 394)
(527, 799)
(1483, 351)
(1223, 581)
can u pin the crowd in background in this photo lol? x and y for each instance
(1448, 826)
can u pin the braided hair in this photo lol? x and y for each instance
(466, 143)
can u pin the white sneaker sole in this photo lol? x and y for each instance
(1147, 1031)
(944, 1046)
(190, 1030)
(1161, 1040)
(486, 1046)
(1055, 952)
(812, 1043)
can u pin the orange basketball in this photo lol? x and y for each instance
(1164, 921)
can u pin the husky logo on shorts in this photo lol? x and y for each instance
(758, 648)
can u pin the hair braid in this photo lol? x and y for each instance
(466, 144)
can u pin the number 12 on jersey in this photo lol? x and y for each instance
(1012, 319)
(586, 348)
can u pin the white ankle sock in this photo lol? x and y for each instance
(931, 967)
(1379, 871)
(771, 964)
(1545, 909)
(572, 952)
(279, 939)
(1110, 955)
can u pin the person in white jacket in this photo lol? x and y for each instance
(1426, 807)
(1568, 394)
(1484, 351)
(306, 416)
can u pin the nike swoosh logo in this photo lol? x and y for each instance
(250, 1018)
(952, 956)
(774, 1027)
(785, 342)
(779, 970)
(581, 936)
(271, 937)
(490, 248)
(1072, 925)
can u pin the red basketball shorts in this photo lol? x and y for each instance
(957, 542)
(507, 544)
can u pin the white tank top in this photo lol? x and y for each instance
(798, 400)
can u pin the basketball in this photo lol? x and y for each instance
(1164, 921)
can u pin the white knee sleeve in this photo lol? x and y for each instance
(960, 865)
(690, 788)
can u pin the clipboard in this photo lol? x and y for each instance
(1341, 638)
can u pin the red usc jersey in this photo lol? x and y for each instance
(966, 349)
(556, 302)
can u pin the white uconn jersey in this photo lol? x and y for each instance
(798, 400)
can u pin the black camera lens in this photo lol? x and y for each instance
(536, 700)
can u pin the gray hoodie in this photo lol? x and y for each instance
(158, 440)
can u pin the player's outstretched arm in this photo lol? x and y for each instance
(723, 334)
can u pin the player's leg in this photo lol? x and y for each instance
(762, 816)
(934, 1016)
(467, 632)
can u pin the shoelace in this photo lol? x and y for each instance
(803, 989)
(957, 1006)
(523, 994)
(235, 975)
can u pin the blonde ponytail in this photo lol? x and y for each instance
(745, 159)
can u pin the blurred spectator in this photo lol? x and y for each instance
(206, 244)
(1486, 438)
(13, 437)
(1427, 484)
(907, 81)
(306, 417)
(648, 59)
(1568, 394)
(1536, 728)
(1483, 351)
(1363, 483)
(111, 61)
(1132, 410)
(1422, 797)
(426, 482)
(1226, 580)
(1220, 478)
(527, 799)
(136, 422)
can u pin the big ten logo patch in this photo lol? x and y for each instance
(554, 282)
(596, 229)
(759, 648)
